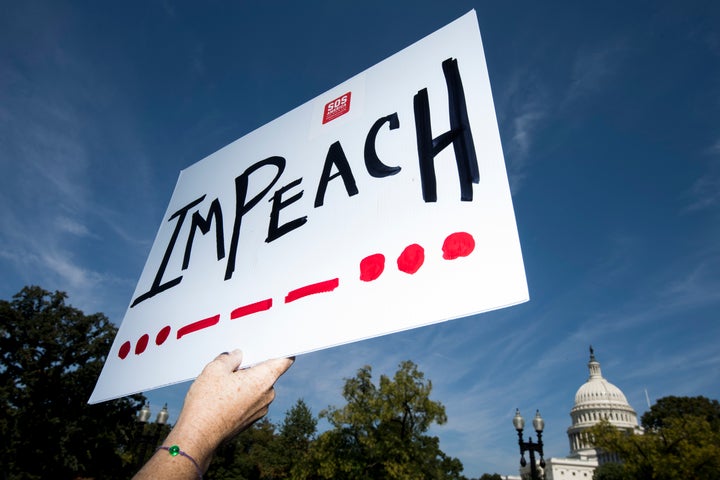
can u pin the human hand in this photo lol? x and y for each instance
(223, 401)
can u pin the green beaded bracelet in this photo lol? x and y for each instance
(174, 451)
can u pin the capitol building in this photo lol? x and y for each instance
(595, 400)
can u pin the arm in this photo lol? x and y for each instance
(221, 403)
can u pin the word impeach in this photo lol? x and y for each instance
(428, 147)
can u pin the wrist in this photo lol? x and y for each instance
(174, 451)
(193, 443)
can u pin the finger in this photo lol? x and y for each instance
(273, 369)
(230, 360)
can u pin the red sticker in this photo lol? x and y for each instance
(336, 108)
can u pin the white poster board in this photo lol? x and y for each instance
(379, 206)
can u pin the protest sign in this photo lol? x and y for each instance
(379, 206)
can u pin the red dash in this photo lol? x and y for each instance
(371, 267)
(458, 244)
(260, 306)
(411, 259)
(162, 335)
(321, 287)
(124, 350)
(199, 325)
(142, 344)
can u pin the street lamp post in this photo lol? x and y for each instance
(530, 446)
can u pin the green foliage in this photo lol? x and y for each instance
(678, 407)
(490, 476)
(380, 432)
(145, 439)
(297, 433)
(262, 453)
(681, 442)
(50, 357)
(246, 456)
(610, 471)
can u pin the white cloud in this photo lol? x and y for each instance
(74, 276)
(524, 125)
(524, 106)
(68, 225)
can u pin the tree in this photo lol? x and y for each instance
(610, 471)
(381, 432)
(678, 407)
(50, 357)
(245, 456)
(262, 453)
(298, 427)
(680, 442)
(297, 432)
(490, 476)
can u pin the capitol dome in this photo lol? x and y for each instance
(596, 400)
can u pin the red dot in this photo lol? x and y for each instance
(371, 267)
(459, 244)
(142, 344)
(124, 350)
(162, 335)
(411, 259)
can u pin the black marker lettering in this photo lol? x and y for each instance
(156, 286)
(335, 156)
(275, 232)
(204, 225)
(241, 207)
(459, 135)
(373, 164)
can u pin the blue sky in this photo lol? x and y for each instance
(609, 116)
